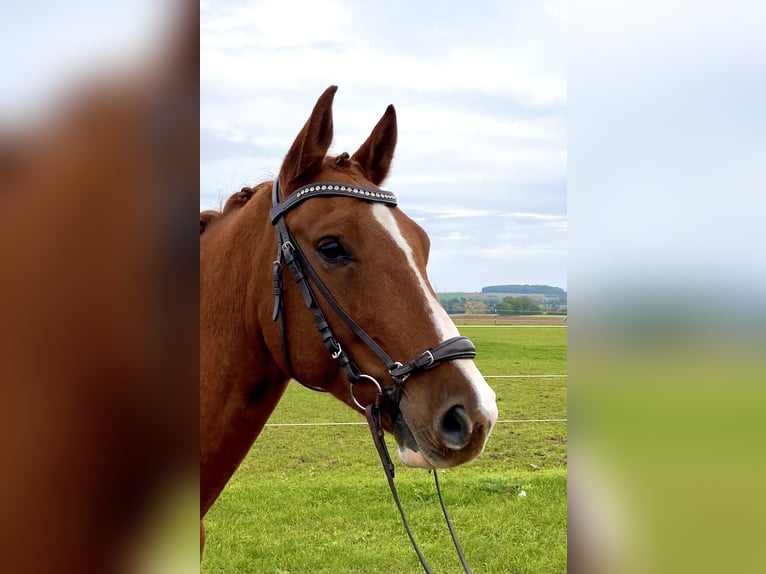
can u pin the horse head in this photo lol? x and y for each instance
(372, 259)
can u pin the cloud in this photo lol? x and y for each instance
(480, 99)
(457, 212)
(456, 236)
(534, 216)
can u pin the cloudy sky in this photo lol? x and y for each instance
(51, 47)
(481, 101)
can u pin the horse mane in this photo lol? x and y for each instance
(233, 204)
(239, 199)
(206, 218)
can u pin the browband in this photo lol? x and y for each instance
(280, 207)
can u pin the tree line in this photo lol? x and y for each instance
(507, 306)
(512, 299)
(548, 290)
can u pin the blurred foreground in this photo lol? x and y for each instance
(666, 288)
(98, 297)
(667, 431)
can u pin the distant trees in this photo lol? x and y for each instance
(476, 307)
(554, 295)
(454, 305)
(523, 300)
(517, 306)
(524, 289)
(491, 301)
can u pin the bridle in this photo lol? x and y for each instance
(289, 254)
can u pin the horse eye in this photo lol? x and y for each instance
(333, 251)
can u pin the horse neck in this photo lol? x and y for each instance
(240, 383)
(235, 274)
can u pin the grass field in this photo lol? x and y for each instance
(314, 498)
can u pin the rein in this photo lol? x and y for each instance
(290, 255)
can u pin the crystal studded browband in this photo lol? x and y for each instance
(329, 188)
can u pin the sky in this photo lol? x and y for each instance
(51, 47)
(481, 102)
(660, 106)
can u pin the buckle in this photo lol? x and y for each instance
(399, 377)
(427, 354)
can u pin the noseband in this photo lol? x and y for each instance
(289, 253)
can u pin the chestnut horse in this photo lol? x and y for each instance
(372, 258)
(98, 303)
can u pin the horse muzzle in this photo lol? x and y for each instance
(452, 434)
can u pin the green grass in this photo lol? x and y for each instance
(519, 349)
(314, 499)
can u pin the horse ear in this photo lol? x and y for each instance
(310, 147)
(376, 153)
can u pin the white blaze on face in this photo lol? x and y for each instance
(444, 326)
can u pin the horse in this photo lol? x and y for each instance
(368, 259)
(98, 303)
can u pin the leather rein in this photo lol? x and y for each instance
(290, 255)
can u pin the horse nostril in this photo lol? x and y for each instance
(455, 427)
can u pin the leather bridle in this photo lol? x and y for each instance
(289, 254)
